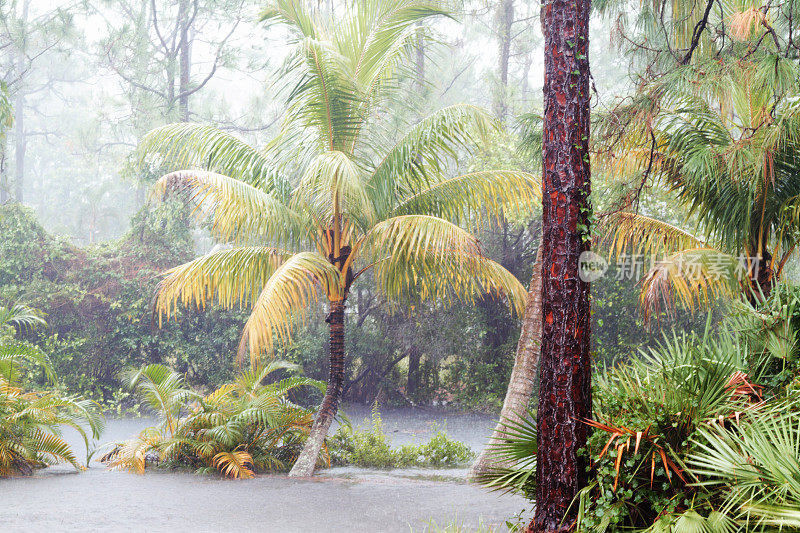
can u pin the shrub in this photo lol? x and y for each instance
(30, 421)
(371, 449)
(242, 428)
(701, 433)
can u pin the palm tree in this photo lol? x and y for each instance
(725, 144)
(30, 422)
(242, 427)
(332, 198)
(714, 120)
(526, 361)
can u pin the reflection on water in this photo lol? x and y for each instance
(341, 499)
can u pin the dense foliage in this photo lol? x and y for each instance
(700, 431)
(371, 448)
(98, 302)
(31, 420)
(245, 426)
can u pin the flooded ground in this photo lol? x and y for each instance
(335, 500)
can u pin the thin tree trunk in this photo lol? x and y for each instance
(414, 358)
(185, 61)
(307, 460)
(523, 375)
(20, 141)
(20, 146)
(419, 63)
(505, 19)
(565, 374)
(3, 169)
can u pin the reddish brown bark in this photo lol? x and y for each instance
(564, 387)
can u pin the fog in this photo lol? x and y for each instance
(88, 79)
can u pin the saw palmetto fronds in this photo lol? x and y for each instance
(513, 457)
(757, 465)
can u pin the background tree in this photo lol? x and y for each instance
(712, 122)
(30, 35)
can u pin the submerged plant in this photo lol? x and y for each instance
(371, 448)
(30, 421)
(243, 427)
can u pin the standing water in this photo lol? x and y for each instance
(343, 499)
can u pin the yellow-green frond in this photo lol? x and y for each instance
(238, 212)
(286, 295)
(186, 145)
(406, 238)
(228, 277)
(332, 185)
(638, 234)
(455, 276)
(477, 196)
(694, 277)
(417, 160)
(236, 464)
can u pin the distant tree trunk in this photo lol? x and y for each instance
(3, 169)
(185, 61)
(307, 460)
(414, 358)
(526, 72)
(20, 141)
(523, 375)
(565, 374)
(505, 19)
(20, 145)
(419, 78)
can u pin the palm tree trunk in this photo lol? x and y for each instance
(307, 460)
(523, 375)
(565, 374)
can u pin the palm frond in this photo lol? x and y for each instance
(235, 464)
(472, 198)
(21, 316)
(632, 233)
(757, 463)
(163, 389)
(286, 295)
(238, 211)
(186, 145)
(230, 277)
(513, 457)
(416, 160)
(332, 185)
(461, 277)
(695, 277)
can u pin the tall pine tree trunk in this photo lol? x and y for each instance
(565, 375)
(307, 460)
(523, 375)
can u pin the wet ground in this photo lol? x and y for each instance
(336, 500)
